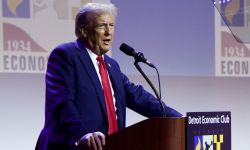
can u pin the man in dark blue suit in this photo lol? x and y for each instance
(76, 115)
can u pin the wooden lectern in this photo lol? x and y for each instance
(150, 134)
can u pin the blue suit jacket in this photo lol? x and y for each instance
(75, 102)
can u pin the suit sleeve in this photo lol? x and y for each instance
(141, 101)
(60, 94)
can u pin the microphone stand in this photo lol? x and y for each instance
(139, 55)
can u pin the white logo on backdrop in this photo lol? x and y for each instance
(232, 38)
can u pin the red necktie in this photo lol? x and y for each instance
(113, 127)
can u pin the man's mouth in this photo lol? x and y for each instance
(107, 41)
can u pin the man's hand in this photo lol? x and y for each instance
(92, 141)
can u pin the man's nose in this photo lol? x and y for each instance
(108, 29)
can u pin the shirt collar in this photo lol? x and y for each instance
(92, 55)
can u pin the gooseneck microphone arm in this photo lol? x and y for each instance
(139, 57)
(151, 85)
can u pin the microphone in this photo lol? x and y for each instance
(138, 56)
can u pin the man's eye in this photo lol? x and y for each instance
(101, 26)
(104, 26)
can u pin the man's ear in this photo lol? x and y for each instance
(83, 31)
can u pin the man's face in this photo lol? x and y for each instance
(99, 37)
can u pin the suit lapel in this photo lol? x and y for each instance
(89, 67)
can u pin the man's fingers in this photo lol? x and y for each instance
(97, 142)
(87, 140)
(101, 137)
(94, 141)
(93, 145)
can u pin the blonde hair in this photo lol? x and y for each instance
(87, 13)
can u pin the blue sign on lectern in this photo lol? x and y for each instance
(208, 130)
